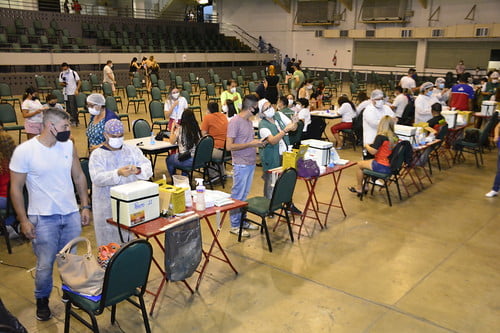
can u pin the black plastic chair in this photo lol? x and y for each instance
(399, 154)
(120, 284)
(280, 201)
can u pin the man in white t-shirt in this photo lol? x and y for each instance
(407, 82)
(400, 102)
(372, 115)
(48, 165)
(70, 81)
(108, 76)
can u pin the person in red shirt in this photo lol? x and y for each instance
(462, 94)
(381, 148)
(215, 125)
(7, 147)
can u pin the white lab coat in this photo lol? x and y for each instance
(423, 105)
(371, 118)
(103, 166)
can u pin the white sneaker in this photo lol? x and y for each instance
(250, 226)
(236, 231)
(491, 194)
(379, 182)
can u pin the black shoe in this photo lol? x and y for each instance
(295, 210)
(42, 309)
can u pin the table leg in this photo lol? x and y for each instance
(311, 185)
(208, 254)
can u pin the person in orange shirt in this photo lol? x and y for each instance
(215, 125)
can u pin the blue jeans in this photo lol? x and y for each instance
(496, 184)
(51, 234)
(3, 205)
(242, 182)
(174, 163)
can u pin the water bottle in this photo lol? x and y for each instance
(152, 140)
(200, 194)
(331, 163)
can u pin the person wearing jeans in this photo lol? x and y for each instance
(48, 165)
(496, 184)
(241, 143)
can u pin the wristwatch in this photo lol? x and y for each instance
(89, 207)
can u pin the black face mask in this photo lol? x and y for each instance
(34, 97)
(255, 110)
(62, 136)
(52, 105)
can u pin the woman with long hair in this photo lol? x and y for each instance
(32, 111)
(306, 89)
(134, 66)
(186, 135)
(347, 110)
(271, 85)
(381, 148)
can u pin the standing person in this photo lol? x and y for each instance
(232, 95)
(289, 69)
(297, 79)
(372, 115)
(134, 66)
(273, 128)
(99, 115)
(241, 143)
(462, 94)
(400, 102)
(271, 84)
(408, 82)
(108, 76)
(492, 85)
(66, 6)
(460, 68)
(496, 184)
(347, 110)
(113, 163)
(175, 105)
(186, 136)
(32, 111)
(48, 165)
(70, 81)
(261, 45)
(423, 103)
(77, 8)
(286, 60)
(215, 125)
(440, 92)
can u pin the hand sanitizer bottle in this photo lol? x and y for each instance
(200, 194)
(152, 140)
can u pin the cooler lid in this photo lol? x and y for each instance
(318, 144)
(134, 190)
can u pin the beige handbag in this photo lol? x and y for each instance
(81, 273)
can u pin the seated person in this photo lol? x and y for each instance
(303, 115)
(175, 105)
(51, 101)
(437, 120)
(348, 111)
(7, 147)
(113, 163)
(99, 115)
(381, 148)
(215, 124)
(306, 90)
(314, 102)
(186, 136)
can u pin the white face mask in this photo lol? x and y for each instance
(176, 95)
(269, 113)
(494, 81)
(233, 90)
(379, 103)
(290, 102)
(115, 142)
(94, 111)
(225, 108)
(309, 86)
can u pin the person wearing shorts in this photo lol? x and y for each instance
(32, 110)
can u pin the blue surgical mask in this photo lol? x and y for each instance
(441, 86)
(429, 93)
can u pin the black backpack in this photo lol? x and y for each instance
(408, 116)
(357, 126)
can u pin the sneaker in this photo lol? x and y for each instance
(64, 298)
(250, 226)
(42, 309)
(236, 231)
(379, 182)
(491, 194)
(295, 210)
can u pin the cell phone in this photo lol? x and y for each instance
(264, 139)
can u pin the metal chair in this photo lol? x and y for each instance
(141, 128)
(8, 115)
(120, 283)
(7, 97)
(157, 114)
(134, 99)
(111, 105)
(108, 91)
(281, 200)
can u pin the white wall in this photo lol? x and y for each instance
(264, 17)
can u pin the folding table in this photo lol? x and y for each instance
(407, 170)
(312, 209)
(154, 229)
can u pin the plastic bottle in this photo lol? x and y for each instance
(331, 162)
(200, 194)
(152, 140)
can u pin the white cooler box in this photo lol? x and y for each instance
(320, 150)
(139, 202)
(405, 132)
(450, 117)
(488, 107)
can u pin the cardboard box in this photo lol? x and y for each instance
(138, 202)
(319, 149)
(290, 158)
